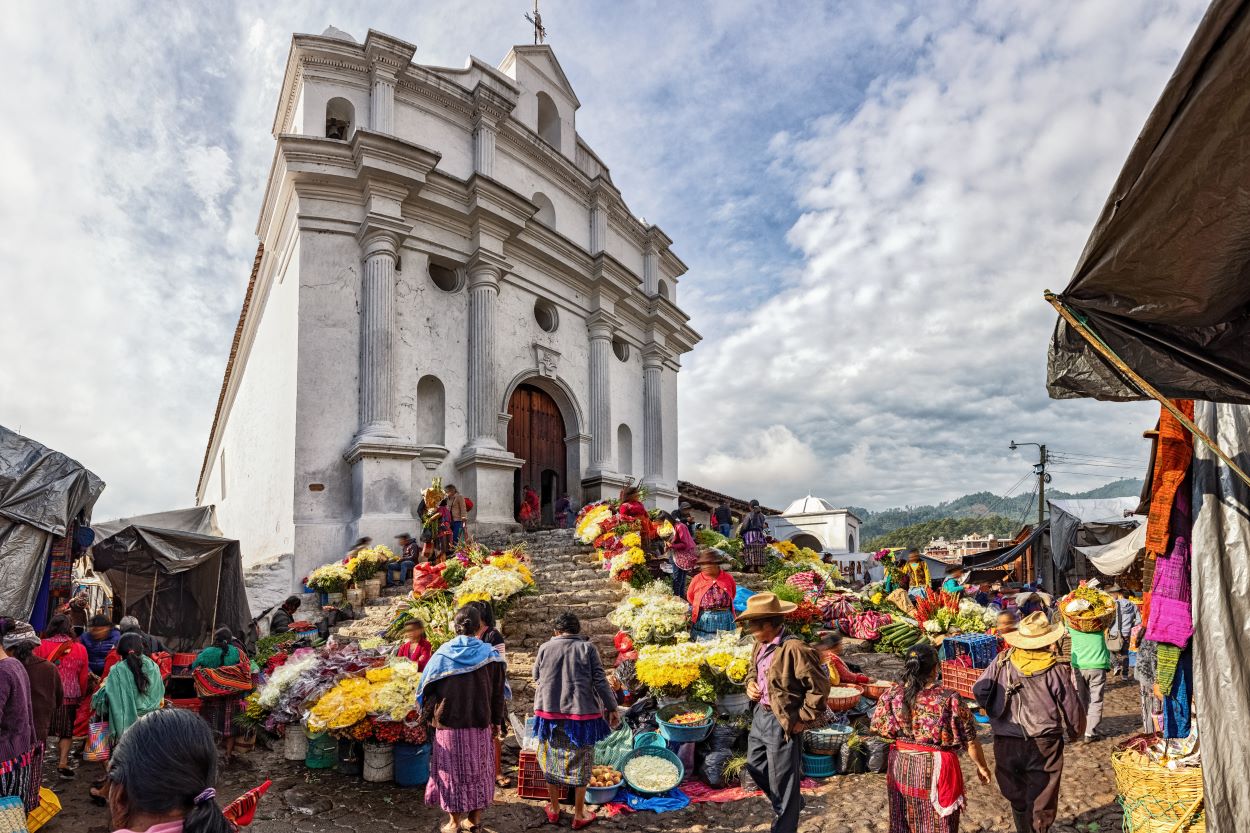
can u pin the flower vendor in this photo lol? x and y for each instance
(631, 508)
(416, 646)
(915, 573)
(575, 709)
(754, 544)
(461, 694)
(929, 725)
(409, 555)
(711, 596)
(683, 554)
(220, 707)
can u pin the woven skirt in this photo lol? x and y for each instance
(15, 777)
(63, 720)
(563, 762)
(219, 713)
(712, 623)
(907, 786)
(754, 549)
(462, 770)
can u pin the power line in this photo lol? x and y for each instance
(1097, 458)
(1028, 506)
(1066, 462)
(1008, 493)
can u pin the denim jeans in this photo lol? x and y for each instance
(680, 579)
(404, 568)
(725, 529)
(457, 532)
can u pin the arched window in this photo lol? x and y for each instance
(431, 409)
(624, 450)
(546, 316)
(548, 120)
(546, 211)
(663, 287)
(851, 543)
(807, 540)
(340, 118)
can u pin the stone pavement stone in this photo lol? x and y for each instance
(847, 804)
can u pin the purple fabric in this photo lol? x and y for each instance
(17, 717)
(462, 770)
(1171, 620)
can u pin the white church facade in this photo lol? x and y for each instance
(448, 284)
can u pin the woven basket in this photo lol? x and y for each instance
(841, 704)
(1157, 799)
(1087, 623)
(826, 741)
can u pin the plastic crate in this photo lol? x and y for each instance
(983, 648)
(531, 782)
(959, 678)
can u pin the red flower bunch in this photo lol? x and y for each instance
(806, 613)
(387, 731)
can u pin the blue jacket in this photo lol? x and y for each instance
(97, 651)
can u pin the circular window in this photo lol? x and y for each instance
(546, 316)
(621, 349)
(444, 278)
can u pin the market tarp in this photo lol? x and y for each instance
(1221, 599)
(41, 493)
(1164, 279)
(1086, 523)
(196, 581)
(1001, 556)
(1115, 558)
(201, 519)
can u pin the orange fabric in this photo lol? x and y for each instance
(1171, 464)
(700, 584)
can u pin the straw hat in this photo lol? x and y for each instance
(1035, 631)
(764, 605)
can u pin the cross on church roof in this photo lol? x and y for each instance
(540, 31)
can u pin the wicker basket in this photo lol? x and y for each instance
(850, 701)
(825, 741)
(875, 690)
(1087, 623)
(1157, 799)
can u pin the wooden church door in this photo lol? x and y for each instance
(536, 435)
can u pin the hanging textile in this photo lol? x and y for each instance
(1178, 704)
(1171, 620)
(1173, 455)
(61, 579)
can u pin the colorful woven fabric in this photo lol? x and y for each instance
(1172, 460)
(462, 770)
(219, 713)
(712, 623)
(1168, 657)
(907, 788)
(565, 763)
(1177, 705)
(15, 780)
(61, 570)
(1171, 619)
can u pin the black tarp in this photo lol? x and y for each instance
(1220, 599)
(41, 493)
(1002, 556)
(196, 580)
(1164, 279)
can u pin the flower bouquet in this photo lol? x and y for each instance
(652, 615)
(590, 521)
(365, 564)
(805, 620)
(330, 578)
(669, 670)
(726, 663)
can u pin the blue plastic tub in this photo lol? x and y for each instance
(658, 753)
(603, 795)
(819, 766)
(652, 739)
(685, 733)
(412, 764)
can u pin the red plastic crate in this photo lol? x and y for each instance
(959, 678)
(530, 782)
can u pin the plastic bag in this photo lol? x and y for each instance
(851, 759)
(97, 748)
(713, 768)
(878, 754)
(642, 713)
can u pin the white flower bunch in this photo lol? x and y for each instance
(282, 678)
(651, 615)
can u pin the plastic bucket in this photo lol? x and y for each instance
(652, 739)
(355, 596)
(322, 752)
(733, 703)
(351, 758)
(819, 766)
(379, 763)
(412, 764)
(602, 795)
(295, 744)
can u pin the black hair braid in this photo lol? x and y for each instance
(130, 649)
(918, 665)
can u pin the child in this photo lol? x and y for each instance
(416, 646)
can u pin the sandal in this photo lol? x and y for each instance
(578, 824)
(65, 772)
(97, 799)
(552, 817)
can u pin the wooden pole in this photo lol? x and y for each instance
(1107, 353)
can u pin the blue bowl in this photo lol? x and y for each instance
(657, 752)
(603, 795)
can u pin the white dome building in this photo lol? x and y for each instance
(816, 523)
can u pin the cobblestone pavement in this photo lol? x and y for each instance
(325, 802)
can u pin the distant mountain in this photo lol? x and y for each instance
(996, 511)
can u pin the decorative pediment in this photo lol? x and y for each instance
(546, 360)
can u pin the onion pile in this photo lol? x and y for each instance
(651, 774)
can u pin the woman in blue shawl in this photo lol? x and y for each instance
(461, 695)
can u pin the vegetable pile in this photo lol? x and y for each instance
(651, 774)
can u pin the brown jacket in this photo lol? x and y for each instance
(459, 510)
(798, 683)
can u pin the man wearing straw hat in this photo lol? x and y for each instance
(789, 684)
(1032, 705)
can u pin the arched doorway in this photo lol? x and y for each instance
(536, 434)
(806, 539)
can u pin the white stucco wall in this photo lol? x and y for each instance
(258, 439)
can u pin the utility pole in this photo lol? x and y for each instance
(1042, 479)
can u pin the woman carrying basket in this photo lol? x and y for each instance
(929, 725)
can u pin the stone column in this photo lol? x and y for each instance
(377, 324)
(483, 146)
(483, 411)
(382, 102)
(598, 223)
(653, 416)
(600, 328)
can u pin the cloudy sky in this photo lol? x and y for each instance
(871, 197)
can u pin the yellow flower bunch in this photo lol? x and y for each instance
(670, 668)
(589, 527)
(398, 695)
(378, 675)
(507, 561)
(631, 539)
(464, 598)
(665, 530)
(788, 549)
(525, 573)
(345, 704)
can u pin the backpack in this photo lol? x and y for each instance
(468, 504)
